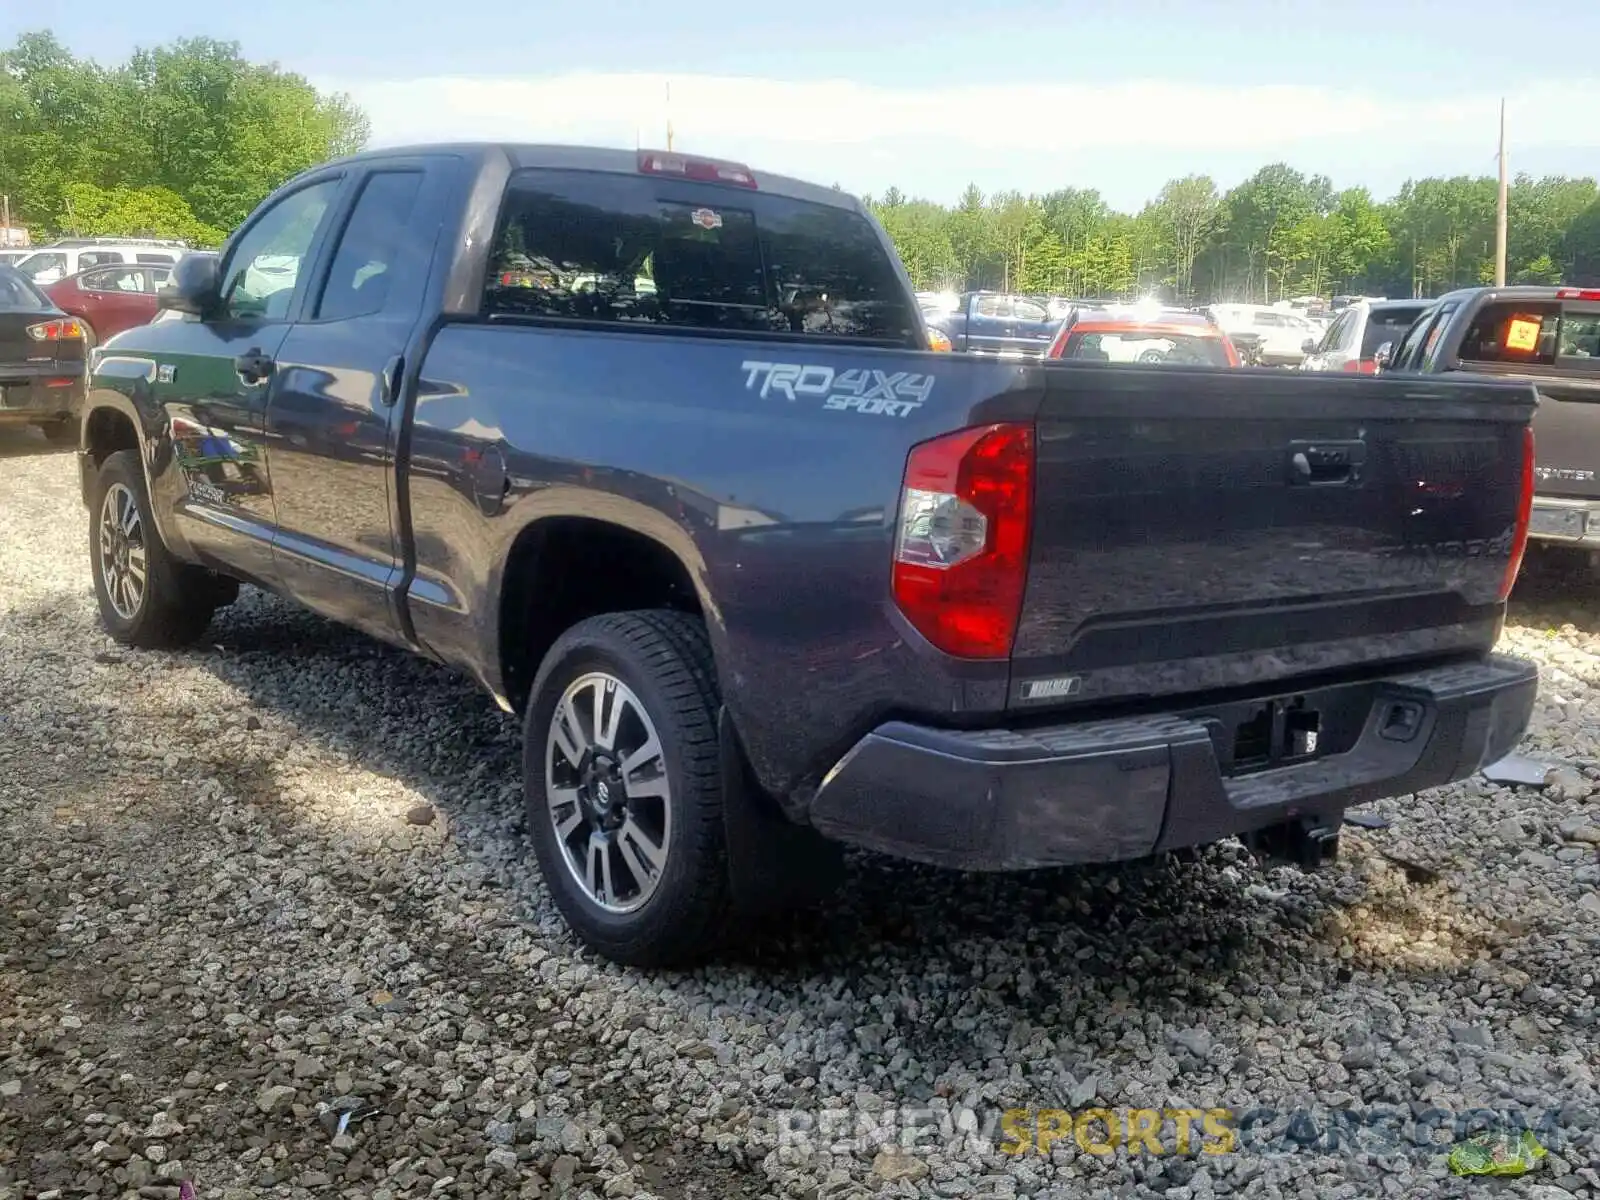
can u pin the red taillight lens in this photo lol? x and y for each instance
(1360, 366)
(1578, 293)
(1519, 539)
(961, 551)
(56, 331)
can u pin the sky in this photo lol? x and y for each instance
(869, 94)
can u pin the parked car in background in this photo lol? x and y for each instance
(10, 257)
(1283, 333)
(997, 323)
(1351, 343)
(1549, 336)
(1121, 335)
(70, 256)
(108, 300)
(41, 360)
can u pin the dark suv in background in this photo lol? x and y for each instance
(1352, 342)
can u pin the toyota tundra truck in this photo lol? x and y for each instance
(653, 448)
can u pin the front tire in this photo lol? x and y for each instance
(623, 786)
(147, 598)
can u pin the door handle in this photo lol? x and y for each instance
(390, 382)
(253, 366)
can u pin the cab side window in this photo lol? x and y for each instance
(263, 266)
(365, 263)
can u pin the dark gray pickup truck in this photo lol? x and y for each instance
(1548, 337)
(653, 448)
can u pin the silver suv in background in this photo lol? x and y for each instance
(1352, 342)
(66, 257)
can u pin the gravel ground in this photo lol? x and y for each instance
(280, 878)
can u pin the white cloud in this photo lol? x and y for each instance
(862, 134)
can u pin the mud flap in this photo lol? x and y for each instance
(774, 865)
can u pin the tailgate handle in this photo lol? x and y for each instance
(1326, 464)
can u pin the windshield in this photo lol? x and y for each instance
(1147, 346)
(592, 246)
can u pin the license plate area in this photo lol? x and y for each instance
(1558, 522)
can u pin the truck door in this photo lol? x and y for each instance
(335, 418)
(213, 380)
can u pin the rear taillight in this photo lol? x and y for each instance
(1519, 539)
(1360, 366)
(1578, 293)
(938, 339)
(56, 331)
(961, 551)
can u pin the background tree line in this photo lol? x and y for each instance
(1280, 233)
(181, 141)
(184, 140)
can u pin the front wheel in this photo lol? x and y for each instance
(147, 598)
(623, 786)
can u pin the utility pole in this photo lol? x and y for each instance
(1500, 210)
(669, 116)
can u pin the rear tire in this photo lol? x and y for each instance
(147, 598)
(638, 865)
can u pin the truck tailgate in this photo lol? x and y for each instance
(1205, 530)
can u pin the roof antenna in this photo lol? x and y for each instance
(669, 115)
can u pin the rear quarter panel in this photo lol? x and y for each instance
(782, 509)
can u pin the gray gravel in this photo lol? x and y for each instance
(266, 925)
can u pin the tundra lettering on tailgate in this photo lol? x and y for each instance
(891, 393)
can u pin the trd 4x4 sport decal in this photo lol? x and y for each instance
(889, 393)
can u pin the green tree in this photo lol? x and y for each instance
(1186, 211)
(132, 212)
(193, 118)
(1580, 248)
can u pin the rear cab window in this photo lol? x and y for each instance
(1146, 346)
(642, 252)
(1513, 333)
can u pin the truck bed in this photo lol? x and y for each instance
(1173, 551)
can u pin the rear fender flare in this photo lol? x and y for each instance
(562, 501)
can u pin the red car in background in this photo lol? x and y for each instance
(107, 300)
(1136, 334)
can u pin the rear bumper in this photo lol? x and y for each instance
(36, 392)
(1103, 791)
(1564, 521)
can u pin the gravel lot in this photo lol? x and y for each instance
(278, 878)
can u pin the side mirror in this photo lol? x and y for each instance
(1383, 356)
(1309, 346)
(195, 285)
